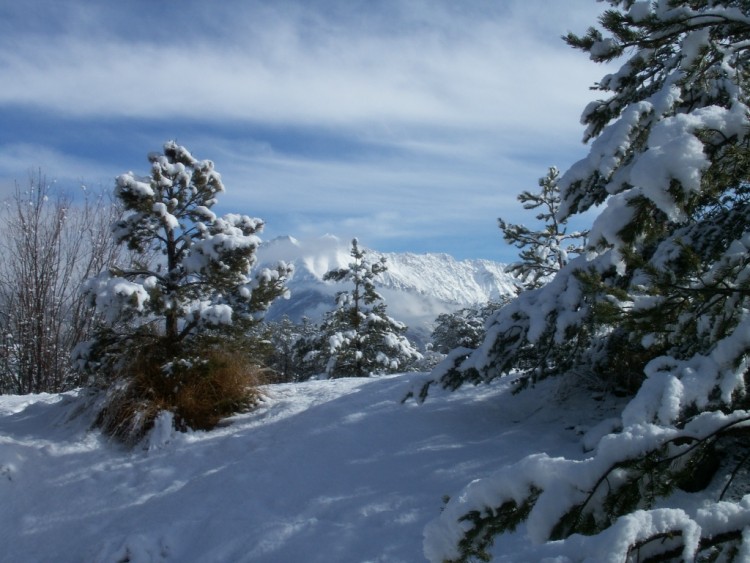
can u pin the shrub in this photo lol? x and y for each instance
(200, 391)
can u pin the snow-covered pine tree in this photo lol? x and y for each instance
(309, 359)
(463, 328)
(196, 295)
(358, 338)
(280, 340)
(543, 252)
(662, 294)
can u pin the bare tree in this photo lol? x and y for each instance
(50, 242)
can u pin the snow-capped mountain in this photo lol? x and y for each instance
(416, 288)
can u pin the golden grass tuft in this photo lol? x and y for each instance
(200, 393)
(225, 384)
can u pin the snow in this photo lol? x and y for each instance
(232, 232)
(675, 152)
(441, 276)
(110, 294)
(640, 10)
(218, 314)
(672, 385)
(205, 213)
(335, 470)
(416, 287)
(133, 184)
(603, 48)
(170, 221)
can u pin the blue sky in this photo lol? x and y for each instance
(410, 124)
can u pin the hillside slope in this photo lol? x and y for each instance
(325, 471)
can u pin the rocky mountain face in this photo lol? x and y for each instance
(416, 288)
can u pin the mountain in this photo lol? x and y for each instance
(417, 287)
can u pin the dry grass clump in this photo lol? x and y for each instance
(216, 383)
(225, 384)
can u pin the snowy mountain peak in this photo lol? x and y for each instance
(417, 287)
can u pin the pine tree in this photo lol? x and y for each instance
(282, 351)
(310, 360)
(543, 253)
(358, 338)
(191, 293)
(463, 328)
(662, 295)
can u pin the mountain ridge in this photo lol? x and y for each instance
(416, 287)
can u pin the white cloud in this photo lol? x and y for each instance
(424, 118)
(21, 161)
(296, 67)
(399, 200)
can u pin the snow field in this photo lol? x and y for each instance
(337, 470)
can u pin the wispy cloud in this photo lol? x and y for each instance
(22, 162)
(298, 67)
(409, 120)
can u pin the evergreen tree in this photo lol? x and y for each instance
(543, 252)
(461, 329)
(282, 354)
(309, 350)
(196, 295)
(358, 338)
(662, 296)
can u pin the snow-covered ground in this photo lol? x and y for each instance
(324, 471)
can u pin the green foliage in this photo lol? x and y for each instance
(463, 328)
(543, 252)
(634, 483)
(488, 524)
(278, 344)
(658, 283)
